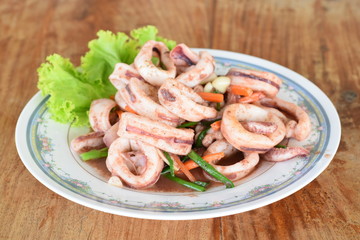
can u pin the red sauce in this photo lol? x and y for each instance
(100, 167)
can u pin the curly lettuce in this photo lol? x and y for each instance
(72, 89)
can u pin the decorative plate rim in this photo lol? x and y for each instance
(332, 145)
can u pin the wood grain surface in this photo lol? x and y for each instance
(319, 39)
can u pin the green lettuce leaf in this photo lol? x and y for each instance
(169, 43)
(144, 34)
(72, 89)
(71, 94)
(104, 52)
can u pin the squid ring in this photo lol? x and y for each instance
(283, 154)
(155, 133)
(151, 73)
(265, 82)
(237, 170)
(143, 98)
(244, 140)
(122, 74)
(99, 114)
(299, 129)
(184, 101)
(116, 163)
(87, 142)
(203, 69)
(183, 56)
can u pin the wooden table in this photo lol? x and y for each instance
(317, 38)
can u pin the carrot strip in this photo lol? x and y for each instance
(129, 109)
(256, 96)
(214, 157)
(240, 90)
(212, 97)
(190, 164)
(216, 125)
(183, 168)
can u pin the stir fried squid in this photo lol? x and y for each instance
(173, 114)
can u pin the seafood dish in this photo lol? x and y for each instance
(173, 115)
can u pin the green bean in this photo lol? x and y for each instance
(208, 123)
(165, 170)
(171, 163)
(198, 141)
(218, 107)
(210, 169)
(280, 146)
(187, 124)
(94, 154)
(184, 158)
(200, 183)
(185, 183)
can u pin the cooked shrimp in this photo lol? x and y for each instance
(265, 82)
(99, 114)
(283, 154)
(146, 168)
(300, 129)
(246, 141)
(87, 142)
(152, 74)
(203, 69)
(122, 75)
(143, 98)
(235, 171)
(184, 102)
(155, 133)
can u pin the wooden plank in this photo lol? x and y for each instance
(33, 30)
(319, 39)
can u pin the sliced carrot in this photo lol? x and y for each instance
(216, 125)
(183, 168)
(214, 157)
(256, 96)
(112, 97)
(129, 109)
(190, 164)
(212, 97)
(240, 90)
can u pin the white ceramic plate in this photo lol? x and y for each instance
(43, 146)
